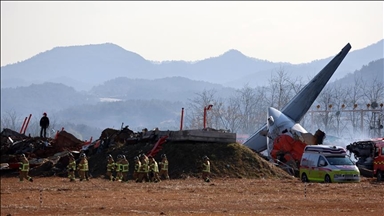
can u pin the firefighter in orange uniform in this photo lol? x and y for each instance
(163, 166)
(24, 169)
(206, 169)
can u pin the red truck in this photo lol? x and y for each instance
(370, 157)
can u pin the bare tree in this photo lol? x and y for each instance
(254, 104)
(339, 99)
(354, 96)
(281, 88)
(10, 120)
(373, 93)
(194, 112)
(215, 117)
(325, 99)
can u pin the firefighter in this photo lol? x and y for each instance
(83, 167)
(163, 166)
(145, 158)
(24, 169)
(119, 174)
(137, 168)
(124, 168)
(154, 170)
(110, 167)
(206, 169)
(143, 171)
(71, 167)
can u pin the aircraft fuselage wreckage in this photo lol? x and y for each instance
(286, 122)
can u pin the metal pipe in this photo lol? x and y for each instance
(205, 117)
(181, 119)
(22, 127)
(26, 126)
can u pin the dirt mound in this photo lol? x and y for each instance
(185, 159)
(48, 157)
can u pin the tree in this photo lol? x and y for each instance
(194, 112)
(325, 99)
(10, 120)
(339, 98)
(354, 96)
(374, 93)
(230, 115)
(251, 103)
(282, 88)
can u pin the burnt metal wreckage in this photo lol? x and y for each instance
(49, 156)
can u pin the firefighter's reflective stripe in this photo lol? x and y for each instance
(24, 167)
(83, 167)
(154, 167)
(124, 167)
(72, 165)
(206, 167)
(144, 167)
(110, 166)
(164, 165)
(118, 167)
(137, 166)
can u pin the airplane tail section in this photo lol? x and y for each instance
(299, 105)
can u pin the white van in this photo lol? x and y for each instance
(324, 163)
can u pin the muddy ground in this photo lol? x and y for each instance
(190, 196)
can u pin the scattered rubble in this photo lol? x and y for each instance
(48, 157)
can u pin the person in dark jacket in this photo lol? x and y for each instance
(44, 123)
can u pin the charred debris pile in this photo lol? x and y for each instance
(48, 156)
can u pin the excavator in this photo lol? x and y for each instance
(282, 135)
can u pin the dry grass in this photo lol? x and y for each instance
(222, 196)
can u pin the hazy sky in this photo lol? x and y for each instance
(295, 32)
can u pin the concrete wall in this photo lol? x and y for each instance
(200, 136)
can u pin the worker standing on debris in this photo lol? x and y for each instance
(124, 168)
(206, 169)
(110, 167)
(24, 169)
(119, 174)
(83, 167)
(137, 168)
(144, 168)
(154, 169)
(163, 166)
(44, 124)
(71, 167)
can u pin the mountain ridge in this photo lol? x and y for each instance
(93, 64)
(232, 50)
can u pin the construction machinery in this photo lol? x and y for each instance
(370, 157)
